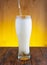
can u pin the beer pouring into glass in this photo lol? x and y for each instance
(23, 29)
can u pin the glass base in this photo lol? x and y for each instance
(24, 57)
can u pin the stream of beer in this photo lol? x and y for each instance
(19, 6)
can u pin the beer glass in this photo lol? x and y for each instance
(23, 30)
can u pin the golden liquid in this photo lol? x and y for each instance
(24, 58)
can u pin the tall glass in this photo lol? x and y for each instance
(23, 30)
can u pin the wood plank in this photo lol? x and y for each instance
(8, 56)
(44, 54)
(36, 56)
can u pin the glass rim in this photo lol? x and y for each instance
(23, 16)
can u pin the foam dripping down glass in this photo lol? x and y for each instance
(23, 30)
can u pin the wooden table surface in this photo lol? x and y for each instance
(8, 56)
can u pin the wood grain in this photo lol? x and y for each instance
(8, 12)
(8, 56)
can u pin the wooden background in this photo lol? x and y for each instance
(8, 12)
